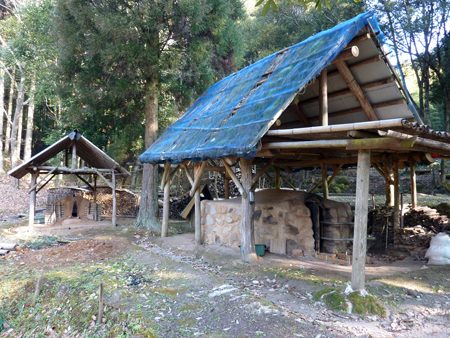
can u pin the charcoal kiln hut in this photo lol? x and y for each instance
(329, 101)
(97, 164)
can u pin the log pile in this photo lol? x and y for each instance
(420, 225)
(127, 202)
(6, 248)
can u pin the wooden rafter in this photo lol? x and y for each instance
(358, 65)
(356, 90)
(301, 117)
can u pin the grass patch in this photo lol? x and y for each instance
(333, 298)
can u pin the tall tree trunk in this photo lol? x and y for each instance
(426, 89)
(19, 134)
(10, 109)
(2, 107)
(148, 209)
(30, 121)
(15, 145)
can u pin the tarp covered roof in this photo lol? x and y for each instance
(85, 149)
(231, 117)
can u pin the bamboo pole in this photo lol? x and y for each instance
(360, 228)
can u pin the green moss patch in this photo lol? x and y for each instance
(336, 300)
(367, 305)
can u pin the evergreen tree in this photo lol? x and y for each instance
(123, 63)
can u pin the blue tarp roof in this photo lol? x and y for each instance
(213, 128)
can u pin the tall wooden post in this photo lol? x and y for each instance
(396, 214)
(323, 98)
(95, 198)
(325, 182)
(198, 226)
(277, 177)
(34, 177)
(360, 230)
(227, 185)
(389, 170)
(74, 156)
(165, 219)
(114, 211)
(412, 165)
(247, 226)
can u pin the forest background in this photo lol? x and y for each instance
(122, 71)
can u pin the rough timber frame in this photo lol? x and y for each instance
(384, 144)
(73, 145)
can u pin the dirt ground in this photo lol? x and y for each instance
(169, 287)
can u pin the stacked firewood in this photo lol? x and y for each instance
(127, 202)
(420, 225)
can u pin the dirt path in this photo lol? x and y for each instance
(172, 288)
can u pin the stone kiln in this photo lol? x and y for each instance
(287, 221)
(72, 207)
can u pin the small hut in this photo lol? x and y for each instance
(96, 164)
(329, 101)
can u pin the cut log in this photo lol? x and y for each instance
(8, 246)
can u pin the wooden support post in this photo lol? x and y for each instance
(166, 205)
(396, 213)
(247, 220)
(74, 156)
(389, 170)
(95, 197)
(413, 184)
(198, 227)
(325, 192)
(360, 228)
(198, 170)
(227, 185)
(114, 211)
(34, 177)
(323, 98)
(277, 177)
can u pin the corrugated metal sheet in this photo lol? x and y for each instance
(231, 116)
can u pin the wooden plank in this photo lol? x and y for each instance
(34, 177)
(356, 90)
(323, 98)
(278, 246)
(360, 228)
(247, 226)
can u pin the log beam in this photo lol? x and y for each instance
(360, 229)
(262, 171)
(325, 192)
(301, 117)
(197, 177)
(356, 90)
(346, 54)
(234, 178)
